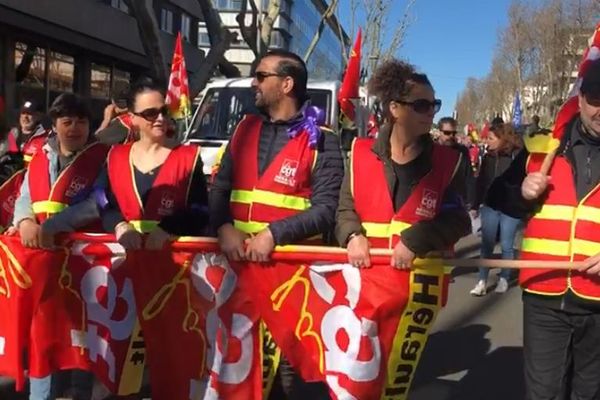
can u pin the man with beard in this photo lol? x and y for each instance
(278, 184)
(29, 136)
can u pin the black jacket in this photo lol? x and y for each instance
(437, 234)
(492, 166)
(326, 180)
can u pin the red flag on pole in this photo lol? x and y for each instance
(350, 83)
(178, 94)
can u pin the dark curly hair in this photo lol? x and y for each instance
(393, 80)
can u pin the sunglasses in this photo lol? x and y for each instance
(448, 133)
(151, 114)
(422, 106)
(261, 75)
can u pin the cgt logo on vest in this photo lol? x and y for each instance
(78, 183)
(167, 203)
(428, 204)
(287, 173)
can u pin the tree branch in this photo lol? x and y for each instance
(267, 25)
(248, 32)
(324, 18)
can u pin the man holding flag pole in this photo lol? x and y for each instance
(555, 182)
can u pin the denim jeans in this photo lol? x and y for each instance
(491, 220)
(48, 387)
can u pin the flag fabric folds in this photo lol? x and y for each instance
(194, 320)
(178, 93)
(349, 92)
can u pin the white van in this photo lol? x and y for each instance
(224, 102)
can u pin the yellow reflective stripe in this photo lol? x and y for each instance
(144, 226)
(556, 213)
(546, 246)
(587, 213)
(585, 247)
(381, 230)
(270, 199)
(250, 226)
(49, 207)
(27, 158)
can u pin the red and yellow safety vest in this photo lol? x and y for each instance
(372, 200)
(169, 191)
(9, 192)
(283, 190)
(73, 183)
(33, 146)
(564, 229)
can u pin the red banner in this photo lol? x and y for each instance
(361, 331)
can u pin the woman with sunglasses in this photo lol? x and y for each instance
(402, 191)
(154, 187)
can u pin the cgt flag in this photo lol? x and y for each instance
(178, 93)
(349, 89)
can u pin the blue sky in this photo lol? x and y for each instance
(449, 40)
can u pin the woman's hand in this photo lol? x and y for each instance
(402, 257)
(128, 237)
(157, 239)
(29, 230)
(358, 252)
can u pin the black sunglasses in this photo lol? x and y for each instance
(261, 75)
(151, 114)
(422, 106)
(448, 133)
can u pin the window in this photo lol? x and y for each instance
(36, 75)
(234, 5)
(61, 72)
(100, 81)
(166, 20)
(203, 39)
(277, 40)
(120, 5)
(186, 25)
(120, 80)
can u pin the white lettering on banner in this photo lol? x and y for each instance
(241, 326)
(343, 317)
(98, 277)
(97, 346)
(2, 345)
(99, 312)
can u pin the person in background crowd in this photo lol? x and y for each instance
(400, 167)
(561, 315)
(29, 136)
(448, 130)
(117, 125)
(503, 144)
(67, 158)
(273, 159)
(169, 181)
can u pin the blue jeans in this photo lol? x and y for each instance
(46, 388)
(491, 220)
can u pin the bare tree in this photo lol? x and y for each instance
(377, 28)
(143, 12)
(329, 12)
(250, 29)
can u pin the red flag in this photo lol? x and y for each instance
(201, 333)
(9, 191)
(23, 276)
(87, 319)
(349, 89)
(361, 331)
(571, 107)
(178, 94)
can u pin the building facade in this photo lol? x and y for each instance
(89, 47)
(293, 30)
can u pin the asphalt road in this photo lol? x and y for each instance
(475, 349)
